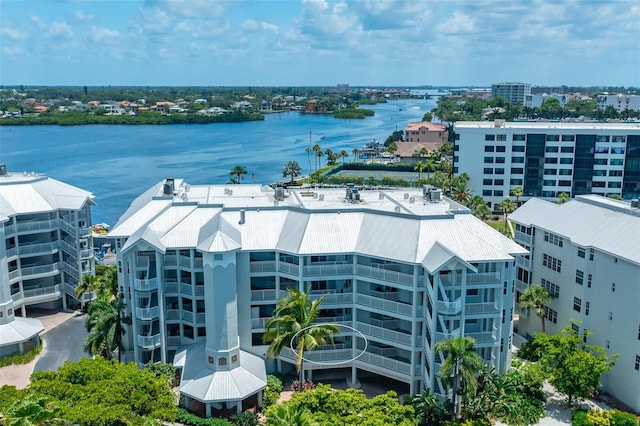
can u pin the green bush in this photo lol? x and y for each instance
(21, 359)
(531, 351)
(620, 418)
(246, 418)
(579, 418)
(190, 419)
(272, 391)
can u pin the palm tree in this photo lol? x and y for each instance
(292, 325)
(88, 284)
(319, 154)
(292, 168)
(330, 156)
(291, 415)
(535, 297)
(563, 197)
(428, 409)
(105, 326)
(237, 173)
(461, 190)
(308, 151)
(419, 166)
(517, 192)
(429, 166)
(506, 206)
(343, 154)
(482, 212)
(316, 149)
(355, 152)
(460, 367)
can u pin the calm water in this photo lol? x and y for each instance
(117, 163)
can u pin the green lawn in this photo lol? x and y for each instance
(498, 225)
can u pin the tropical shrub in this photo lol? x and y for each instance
(599, 417)
(189, 419)
(620, 418)
(272, 392)
(579, 418)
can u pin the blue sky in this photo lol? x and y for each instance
(319, 42)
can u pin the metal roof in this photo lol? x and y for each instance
(35, 193)
(201, 382)
(399, 225)
(19, 330)
(589, 221)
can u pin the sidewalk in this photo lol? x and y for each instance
(18, 375)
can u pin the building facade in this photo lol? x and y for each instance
(548, 158)
(202, 268)
(585, 253)
(515, 93)
(425, 132)
(45, 248)
(620, 102)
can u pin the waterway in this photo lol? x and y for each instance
(118, 163)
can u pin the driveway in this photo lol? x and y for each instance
(63, 343)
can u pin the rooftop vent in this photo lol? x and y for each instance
(352, 194)
(321, 197)
(397, 209)
(381, 196)
(498, 123)
(3, 170)
(412, 200)
(184, 197)
(168, 187)
(242, 217)
(406, 195)
(279, 195)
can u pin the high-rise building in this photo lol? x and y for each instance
(45, 248)
(585, 253)
(548, 158)
(202, 268)
(512, 92)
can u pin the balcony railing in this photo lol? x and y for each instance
(198, 262)
(36, 225)
(260, 295)
(170, 260)
(174, 341)
(384, 333)
(171, 287)
(148, 313)
(184, 261)
(523, 238)
(186, 288)
(386, 363)
(328, 269)
(481, 308)
(187, 316)
(199, 290)
(147, 284)
(263, 266)
(523, 262)
(450, 308)
(289, 268)
(69, 228)
(446, 335)
(149, 342)
(173, 314)
(37, 248)
(69, 247)
(385, 305)
(39, 270)
(483, 338)
(385, 275)
(483, 278)
(37, 295)
(319, 355)
(71, 270)
(521, 286)
(259, 322)
(201, 317)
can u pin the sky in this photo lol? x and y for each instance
(319, 42)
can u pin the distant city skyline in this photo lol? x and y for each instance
(319, 42)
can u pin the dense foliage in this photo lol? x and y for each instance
(272, 392)
(358, 113)
(599, 417)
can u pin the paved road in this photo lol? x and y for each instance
(63, 343)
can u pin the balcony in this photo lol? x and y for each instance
(174, 341)
(384, 333)
(316, 270)
(490, 308)
(186, 288)
(328, 356)
(332, 298)
(259, 322)
(523, 262)
(289, 268)
(37, 248)
(69, 228)
(147, 313)
(521, 286)
(171, 287)
(28, 271)
(483, 278)
(69, 246)
(187, 316)
(521, 237)
(386, 275)
(386, 363)
(199, 290)
(184, 261)
(147, 284)
(36, 225)
(446, 335)
(386, 305)
(37, 295)
(86, 253)
(261, 295)
(450, 308)
(172, 314)
(201, 317)
(71, 269)
(149, 342)
(485, 338)
(170, 260)
(262, 266)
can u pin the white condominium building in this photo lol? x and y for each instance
(585, 253)
(202, 268)
(619, 101)
(515, 93)
(45, 246)
(548, 158)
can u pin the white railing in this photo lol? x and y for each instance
(483, 337)
(319, 355)
(14, 274)
(37, 294)
(85, 231)
(201, 317)
(328, 269)
(68, 227)
(440, 336)
(149, 341)
(259, 322)
(523, 262)
(332, 298)
(86, 253)
(37, 248)
(385, 275)
(259, 295)
(174, 341)
(173, 314)
(198, 262)
(171, 287)
(385, 305)
(262, 266)
(170, 260)
(386, 363)
(148, 284)
(450, 308)
(383, 333)
(521, 286)
(68, 247)
(289, 268)
(36, 225)
(187, 316)
(200, 290)
(37, 270)
(186, 288)
(481, 308)
(522, 237)
(71, 269)
(184, 261)
(483, 278)
(147, 313)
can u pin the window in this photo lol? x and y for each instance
(589, 279)
(579, 276)
(501, 148)
(517, 148)
(551, 263)
(517, 170)
(486, 192)
(550, 149)
(587, 305)
(577, 304)
(487, 181)
(615, 172)
(591, 254)
(553, 239)
(498, 182)
(639, 332)
(553, 138)
(613, 287)
(488, 160)
(566, 149)
(488, 148)
(551, 315)
(489, 137)
(517, 160)
(515, 181)
(618, 139)
(456, 147)
(614, 185)
(488, 171)
(637, 367)
(568, 138)
(616, 162)
(575, 327)
(498, 193)
(501, 138)
(500, 160)
(601, 138)
(602, 150)
(564, 183)
(582, 252)
(550, 171)
(610, 315)
(519, 137)
(548, 183)
(585, 334)
(566, 161)
(599, 173)
(550, 161)
(552, 289)
(499, 171)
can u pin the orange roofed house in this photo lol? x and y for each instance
(425, 131)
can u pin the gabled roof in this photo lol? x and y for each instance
(19, 330)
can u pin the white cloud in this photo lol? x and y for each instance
(11, 32)
(459, 23)
(60, 31)
(104, 35)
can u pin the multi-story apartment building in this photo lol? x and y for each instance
(512, 92)
(45, 243)
(202, 268)
(585, 253)
(548, 158)
(620, 101)
(425, 131)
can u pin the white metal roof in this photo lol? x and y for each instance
(19, 330)
(395, 224)
(31, 193)
(588, 221)
(545, 125)
(203, 383)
